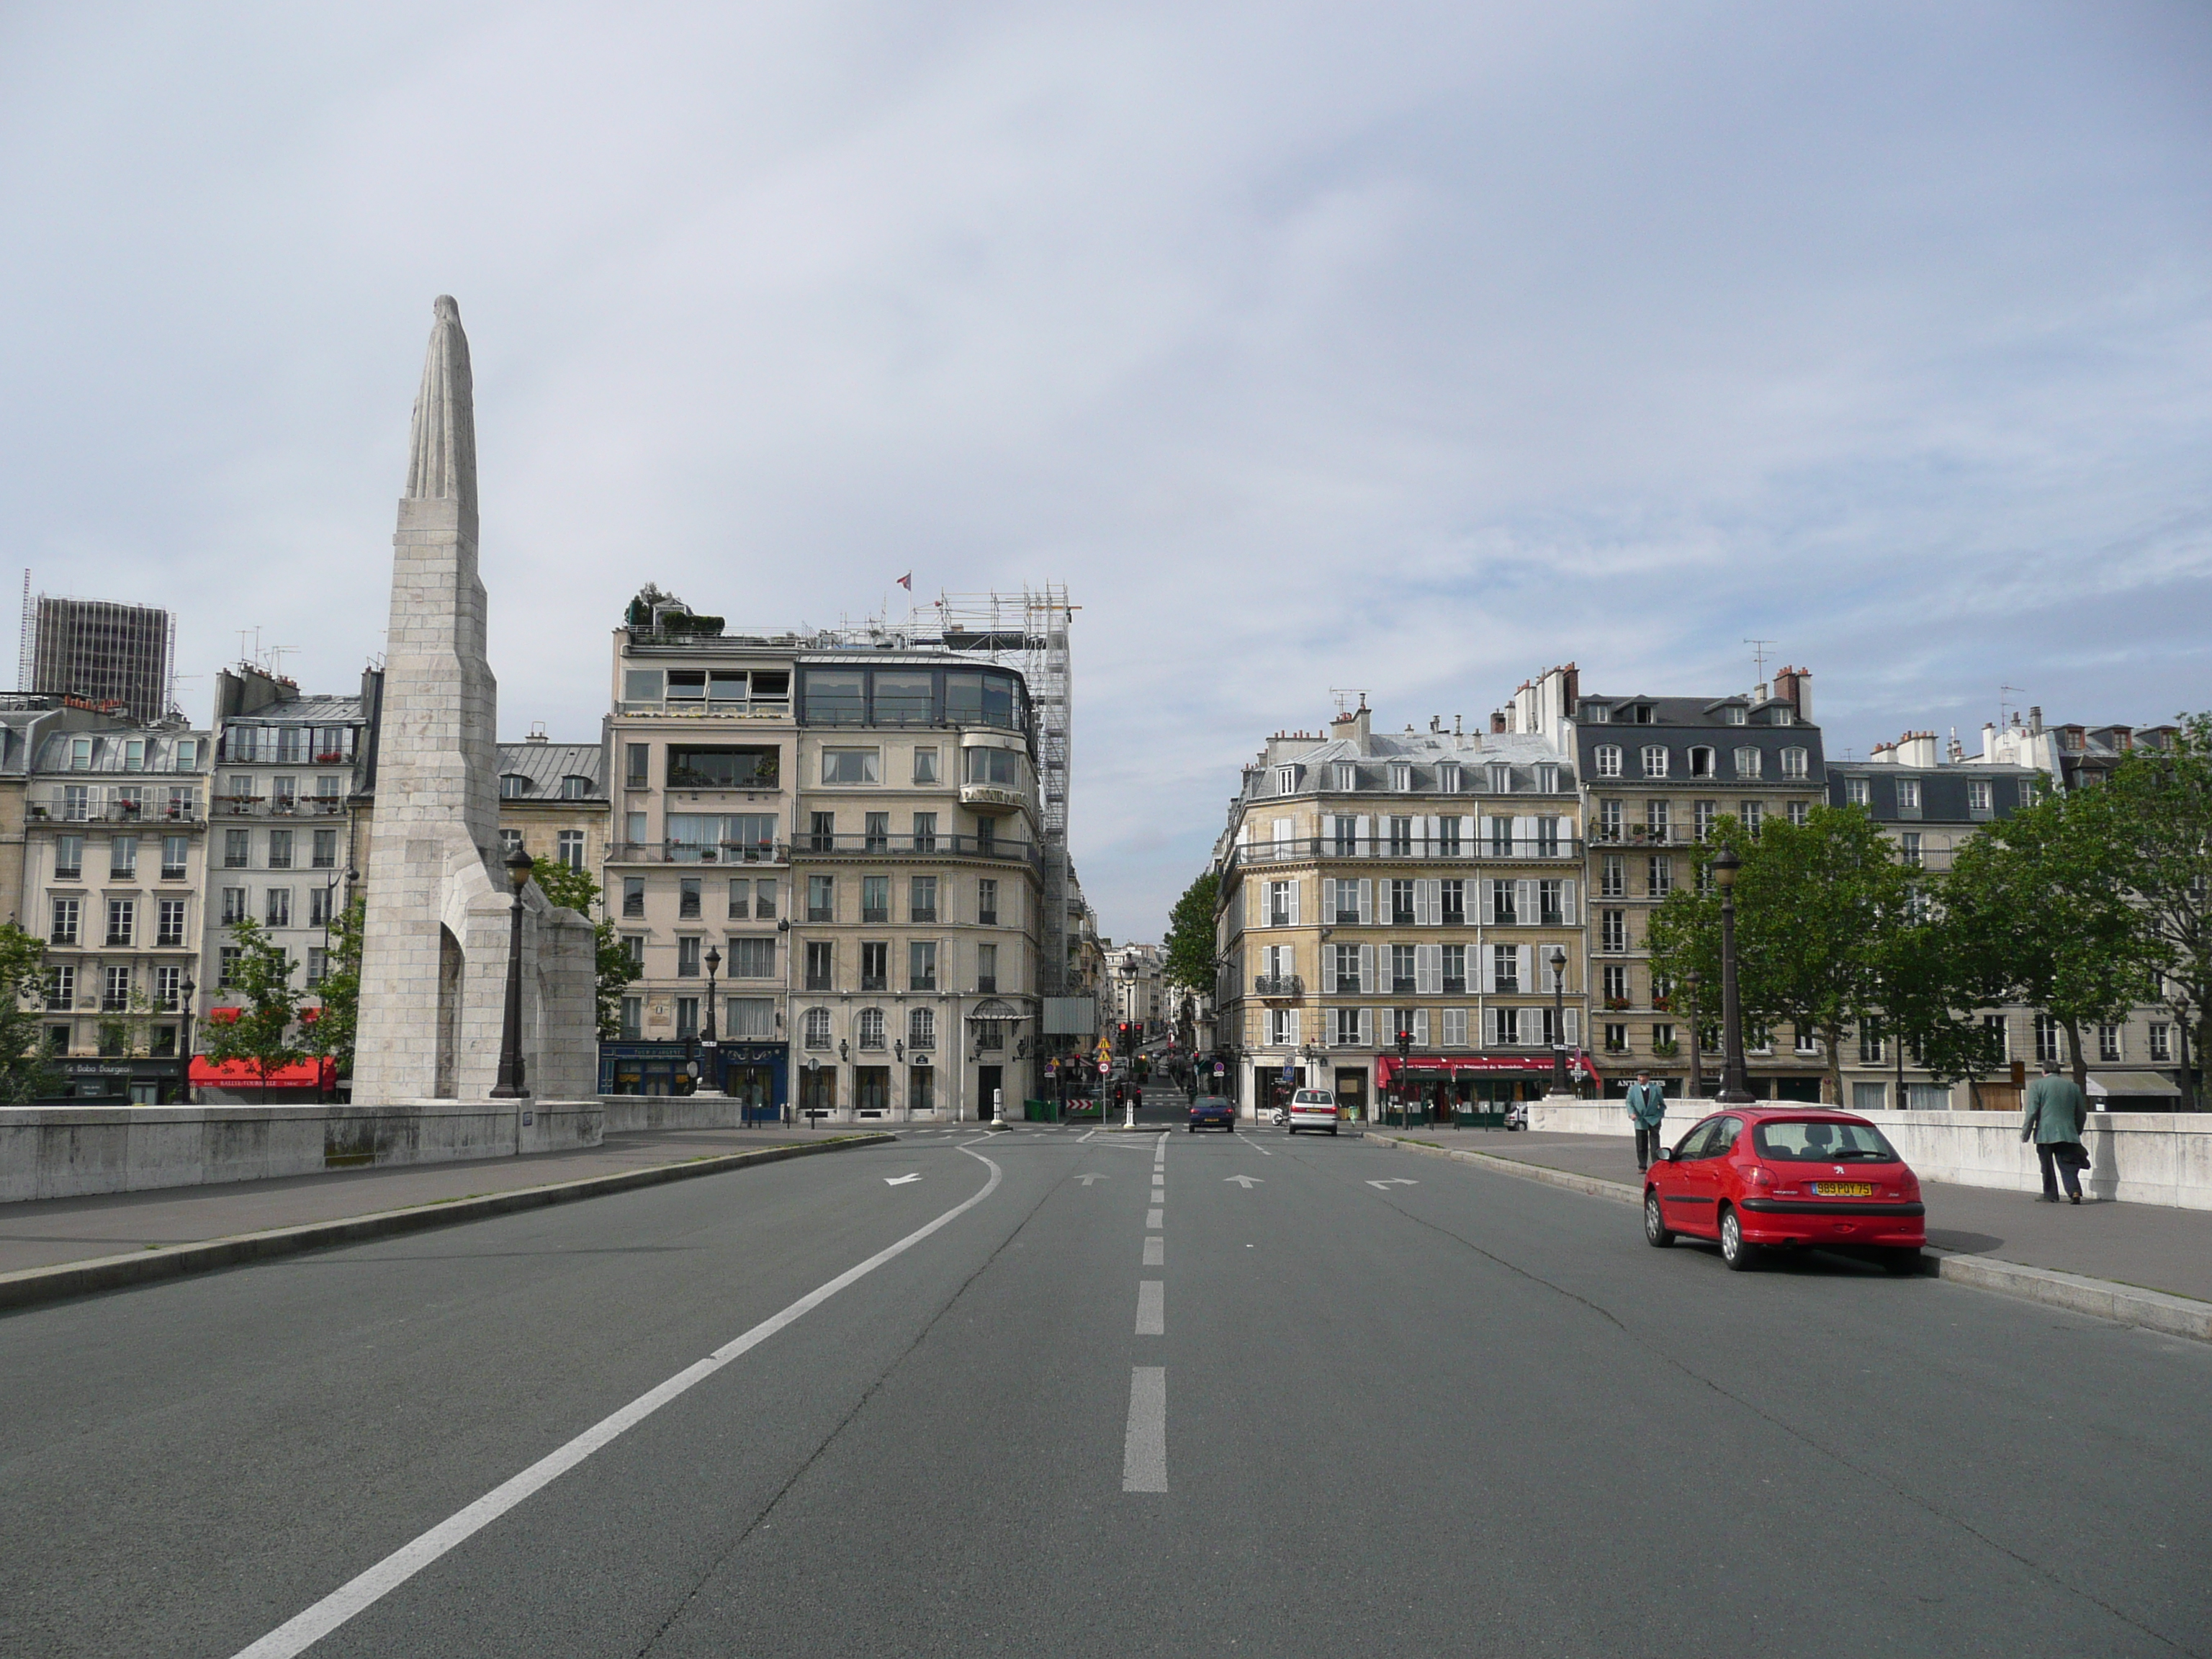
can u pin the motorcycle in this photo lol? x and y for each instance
(1280, 1117)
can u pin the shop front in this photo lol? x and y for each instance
(1472, 1091)
(126, 1081)
(647, 1068)
(757, 1076)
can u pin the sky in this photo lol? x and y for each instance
(1409, 349)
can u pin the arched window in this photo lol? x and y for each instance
(922, 1029)
(1793, 763)
(1701, 762)
(872, 1027)
(817, 1028)
(1747, 763)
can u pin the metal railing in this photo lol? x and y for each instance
(735, 708)
(847, 845)
(675, 852)
(258, 806)
(56, 810)
(1522, 850)
(1278, 985)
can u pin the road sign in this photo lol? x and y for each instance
(1220, 1069)
(1105, 1069)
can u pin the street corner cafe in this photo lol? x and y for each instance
(1446, 1085)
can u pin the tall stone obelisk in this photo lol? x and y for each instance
(436, 935)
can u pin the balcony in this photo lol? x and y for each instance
(686, 851)
(721, 708)
(295, 806)
(1526, 850)
(1278, 987)
(850, 846)
(56, 810)
(994, 798)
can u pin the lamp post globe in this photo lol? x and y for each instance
(511, 1084)
(1735, 1086)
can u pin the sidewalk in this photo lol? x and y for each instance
(2145, 1245)
(43, 1232)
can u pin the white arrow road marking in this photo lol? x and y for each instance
(1247, 1182)
(1087, 1179)
(1399, 1180)
(900, 1181)
(297, 1634)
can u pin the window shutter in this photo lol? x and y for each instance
(1366, 966)
(1489, 971)
(1490, 903)
(1434, 832)
(1524, 902)
(1567, 902)
(1292, 1038)
(1420, 1027)
(1366, 838)
(1366, 902)
(1366, 1027)
(1429, 903)
(1525, 955)
(1429, 969)
(1524, 834)
(1255, 899)
(1490, 1024)
(1329, 898)
(1570, 1029)
(1466, 837)
(1296, 888)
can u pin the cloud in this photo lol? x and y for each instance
(1409, 349)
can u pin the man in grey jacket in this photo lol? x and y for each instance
(2053, 1117)
(1647, 1107)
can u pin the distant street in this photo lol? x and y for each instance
(1152, 1394)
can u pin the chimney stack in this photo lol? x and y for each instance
(1497, 720)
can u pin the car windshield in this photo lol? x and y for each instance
(1795, 1141)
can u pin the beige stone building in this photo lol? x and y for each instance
(1423, 882)
(553, 802)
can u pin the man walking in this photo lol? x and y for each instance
(2053, 1119)
(1647, 1107)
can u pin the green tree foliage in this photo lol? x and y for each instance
(1820, 909)
(331, 1034)
(265, 1033)
(25, 1072)
(1189, 950)
(572, 889)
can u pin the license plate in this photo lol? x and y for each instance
(1844, 1189)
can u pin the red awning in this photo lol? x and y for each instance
(1446, 1066)
(243, 1074)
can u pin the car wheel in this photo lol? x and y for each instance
(1739, 1255)
(1655, 1231)
(1901, 1263)
(1332, 1130)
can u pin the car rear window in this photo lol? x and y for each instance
(1312, 1097)
(1795, 1141)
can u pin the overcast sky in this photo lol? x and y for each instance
(1407, 348)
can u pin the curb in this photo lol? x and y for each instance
(31, 1285)
(2100, 1298)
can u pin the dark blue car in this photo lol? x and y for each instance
(1213, 1112)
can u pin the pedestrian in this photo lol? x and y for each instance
(1647, 1107)
(2053, 1119)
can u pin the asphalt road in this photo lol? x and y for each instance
(1452, 1412)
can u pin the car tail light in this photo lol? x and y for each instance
(1761, 1176)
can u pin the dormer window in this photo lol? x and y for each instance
(1401, 777)
(1501, 779)
(1608, 756)
(1347, 777)
(1547, 780)
(513, 786)
(1286, 780)
(80, 754)
(1857, 792)
(1701, 762)
(1644, 714)
(1654, 761)
(1447, 778)
(1793, 763)
(1597, 713)
(1781, 714)
(188, 753)
(1733, 714)
(1747, 763)
(575, 788)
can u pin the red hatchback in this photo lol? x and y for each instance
(1757, 1176)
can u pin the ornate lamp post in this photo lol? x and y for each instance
(1691, 982)
(1735, 1090)
(190, 991)
(710, 1075)
(1557, 959)
(1405, 1113)
(511, 1084)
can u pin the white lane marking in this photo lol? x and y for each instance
(1151, 1307)
(1087, 1134)
(901, 1181)
(1395, 1181)
(1258, 1148)
(1087, 1178)
(1247, 1182)
(1152, 1220)
(1145, 1445)
(1156, 1253)
(297, 1634)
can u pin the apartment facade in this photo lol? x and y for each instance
(1427, 883)
(114, 867)
(553, 803)
(851, 837)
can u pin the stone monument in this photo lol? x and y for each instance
(435, 940)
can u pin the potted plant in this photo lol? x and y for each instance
(1666, 1050)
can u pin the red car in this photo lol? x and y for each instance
(1754, 1176)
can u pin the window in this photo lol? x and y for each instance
(325, 852)
(1506, 1027)
(1401, 838)
(176, 853)
(920, 1090)
(2161, 1043)
(741, 900)
(1780, 715)
(875, 965)
(925, 832)
(1002, 767)
(319, 904)
(987, 902)
(568, 849)
(634, 830)
(2108, 1044)
(115, 993)
(1615, 980)
(764, 901)
(65, 930)
(634, 944)
(750, 1019)
(922, 899)
(510, 840)
(1501, 838)
(1501, 778)
(1286, 780)
(633, 896)
(1607, 757)
(1908, 847)
(1279, 904)
(687, 957)
(1402, 967)
(68, 858)
(1454, 897)
(1659, 876)
(237, 849)
(868, 1029)
(1793, 763)
(1750, 814)
(1613, 877)
(817, 1028)
(1505, 969)
(1504, 901)
(1747, 763)
(1658, 821)
(122, 920)
(1654, 761)
(1857, 792)
(1662, 1038)
(633, 1019)
(234, 906)
(752, 958)
(821, 898)
(1401, 903)
(922, 964)
(1552, 903)
(819, 976)
(169, 922)
(1870, 1047)
(1612, 930)
(875, 899)
(1978, 795)
(1799, 813)
(1908, 794)
(987, 968)
(1608, 820)
(686, 899)
(1701, 762)
(848, 765)
(122, 858)
(1547, 780)
(1455, 971)
(687, 1017)
(925, 766)
(227, 968)
(318, 965)
(636, 758)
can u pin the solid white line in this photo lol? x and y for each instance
(1145, 1445)
(1151, 1307)
(1086, 1134)
(297, 1635)
(1156, 1253)
(1152, 1220)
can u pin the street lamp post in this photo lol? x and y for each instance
(190, 992)
(1558, 961)
(1405, 1113)
(1735, 1089)
(1691, 982)
(511, 1084)
(710, 1072)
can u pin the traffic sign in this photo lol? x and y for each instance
(1105, 1069)
(1220, 1069)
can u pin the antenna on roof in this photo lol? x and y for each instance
(1340, 692)
(1759, 650)
(2004, 710)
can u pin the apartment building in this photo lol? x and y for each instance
(1428, 882)
(1656, 774)
(1137, 994)
(114, 862)
(840, 833)
(287, 827)
(27, 720)
(553, 802)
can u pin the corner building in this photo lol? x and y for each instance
(1423, 882)
(851, 826)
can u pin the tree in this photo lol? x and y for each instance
(263, 1034)
(2041, 900)
(572, 889)
(2156, 809)
(25, 1074)
(329, 1035)
(1189, 954)
(1819, 906)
